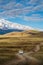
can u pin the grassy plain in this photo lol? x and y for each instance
(11, 43)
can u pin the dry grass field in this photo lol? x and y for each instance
(11, 43)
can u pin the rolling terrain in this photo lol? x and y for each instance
(31, 42)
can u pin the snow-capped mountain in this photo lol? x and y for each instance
(4, 25)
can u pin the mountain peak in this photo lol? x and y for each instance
(4, 24)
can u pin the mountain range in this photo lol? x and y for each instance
(7, 26)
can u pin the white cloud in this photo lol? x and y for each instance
(9, 6)
(17, 12)
(38, 8)
(19, 5)
(35, 19)
(13, 9)
(32, 1)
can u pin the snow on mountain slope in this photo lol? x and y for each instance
(4, 24)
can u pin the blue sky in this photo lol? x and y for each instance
(25, 12)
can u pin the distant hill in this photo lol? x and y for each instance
(21, 33)
(9, 31)
(35, 33)
(16, 34)
(30, 33)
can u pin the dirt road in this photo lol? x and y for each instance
(25, 59)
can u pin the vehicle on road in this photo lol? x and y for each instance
(21, 52)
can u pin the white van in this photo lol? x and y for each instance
(21, 52)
